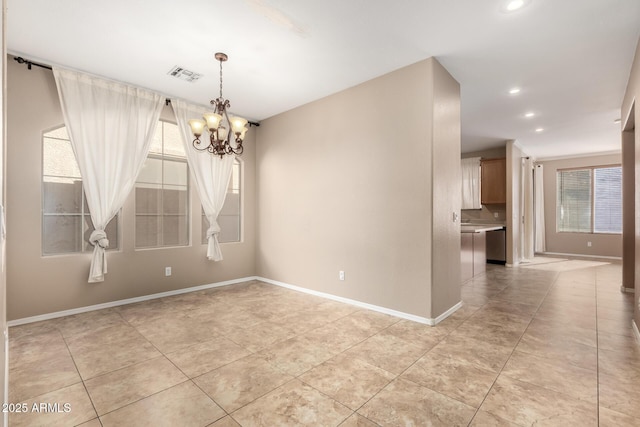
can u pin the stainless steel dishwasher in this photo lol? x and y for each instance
(497, 246)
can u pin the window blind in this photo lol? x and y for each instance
(607, 200)
(574, 201)
(589, 200)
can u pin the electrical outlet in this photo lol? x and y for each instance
(495, 215)
(589, 244)
(167, 271)
(341, 275)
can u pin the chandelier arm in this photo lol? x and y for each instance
(197, 144)
(230, 131)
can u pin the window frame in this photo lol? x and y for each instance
(173, 158)
(592, 199)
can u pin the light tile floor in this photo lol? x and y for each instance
(549, 343)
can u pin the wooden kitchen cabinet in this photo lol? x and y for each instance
(493, 187)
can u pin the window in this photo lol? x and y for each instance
(66, 221)
(162, 192)
(607, 200)
(589, 200)
(229, 217)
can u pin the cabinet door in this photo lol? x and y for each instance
(466, 256)
(494, 181)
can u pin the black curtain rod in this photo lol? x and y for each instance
(21, 60)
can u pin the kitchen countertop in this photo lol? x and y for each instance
(478, 228)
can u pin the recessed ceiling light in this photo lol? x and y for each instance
(529, 114)
(513, 5)
(539, 130)
(514, 90)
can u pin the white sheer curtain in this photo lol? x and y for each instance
(540, 244)
(471, 183)
(210, 173)
(528, 213)
(111, 126)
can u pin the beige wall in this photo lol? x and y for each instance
(628, 207)
(446, 181)
(348, 183)
(39, 285)
(575, 243)
(631, 96)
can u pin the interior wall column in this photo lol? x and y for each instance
(628, 207)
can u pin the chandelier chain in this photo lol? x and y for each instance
(220, 78)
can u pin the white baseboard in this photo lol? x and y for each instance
(601, 257)
(79, 310)
(448, 313)
(5, 334)
(391, 312)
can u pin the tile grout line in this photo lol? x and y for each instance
(278, 369)
(397, 376)
(512, 283)
(129, 366)
(84, 385)
(555, 279)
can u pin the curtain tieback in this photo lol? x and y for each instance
(213, 229)
(99, 237)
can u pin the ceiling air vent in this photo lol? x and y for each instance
(182, 74)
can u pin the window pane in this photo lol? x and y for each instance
(61, 234)
(62, 197)
(58, 158)
(151, 172)
(608, 200)
(173, 145)
(60, 133)
(234, 182)
(148, 200)
(174, 202)
(148, 231)
(175, 230)
(231, 205)
(175, 173)
(229, 228)
(205, 226)
(574, 201)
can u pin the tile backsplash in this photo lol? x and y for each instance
(487, 213)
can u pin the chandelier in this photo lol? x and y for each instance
(218, 124)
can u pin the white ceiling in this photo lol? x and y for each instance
(571, 58)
